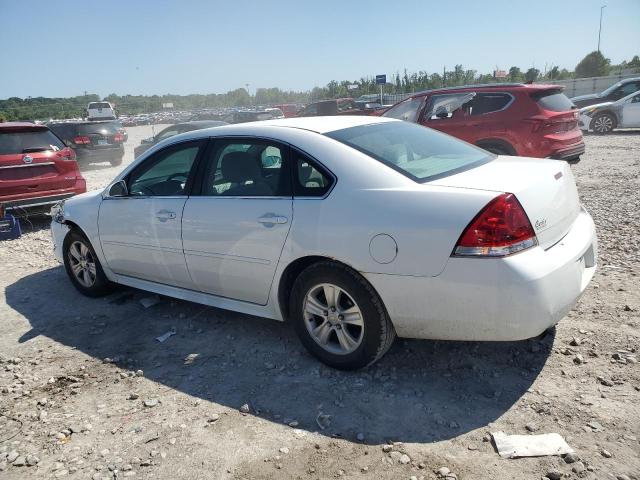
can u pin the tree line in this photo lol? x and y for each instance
(42, 108)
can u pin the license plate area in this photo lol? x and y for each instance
(103, 141)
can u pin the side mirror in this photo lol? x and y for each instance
(119, 189)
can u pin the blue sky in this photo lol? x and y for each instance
(64, 47)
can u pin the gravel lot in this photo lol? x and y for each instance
(87, 392)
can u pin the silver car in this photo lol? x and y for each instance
(605, 117)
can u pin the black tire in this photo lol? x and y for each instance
(378, 335)
(603, 123)
(101, 285)
(116, 161)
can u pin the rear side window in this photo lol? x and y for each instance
(407, 110)
(28, 142)
(553, 100)
(488, 103)
(310, 180)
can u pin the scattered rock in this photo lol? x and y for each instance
(404, 459)
(133, 396)
(531, 427)
(578, 359)
(214, 417)
(571, 458)
(245, 408)
(387, 448)
(151, 402)
(284, 450)
(554, 474)
(443, 472)
(606, 453)
(21, 461)
(578, 467)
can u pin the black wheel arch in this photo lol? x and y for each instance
(503, 145)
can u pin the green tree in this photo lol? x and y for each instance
(593, 65)
(532, 74)
(515, 75)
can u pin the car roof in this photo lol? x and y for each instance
(205, 123)
(21, 126)
(313, 124)
(491, 86)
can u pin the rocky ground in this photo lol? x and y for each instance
(87, 392)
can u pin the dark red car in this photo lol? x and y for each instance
(36, 168)
(506, 119)
(289, 109)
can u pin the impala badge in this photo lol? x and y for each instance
(540, 224)
(27, 159)
(558, 176)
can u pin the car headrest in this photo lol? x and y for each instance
(238, 167)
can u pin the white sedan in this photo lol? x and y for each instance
(354, 229)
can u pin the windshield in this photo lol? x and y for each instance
(103, 128)
(418, 152)
(28, 141)
(99, 105)
(610, 89)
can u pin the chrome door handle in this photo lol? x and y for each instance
(270, 219)
(164, 215)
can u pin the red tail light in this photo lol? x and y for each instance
(118, 137)
(67, 154)
(81, 140)
(501, 228)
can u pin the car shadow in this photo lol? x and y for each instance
(421, 391)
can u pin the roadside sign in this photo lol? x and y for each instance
(499, 74)
(381, 79)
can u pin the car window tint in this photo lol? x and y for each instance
(417, 152)
(488, 103)
(164, 173)
(246, 169)
(169, 132)
(28, 142)
(407, 110)
(628, 89)
(310, 180)
(553, 100)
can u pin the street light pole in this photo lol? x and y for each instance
(600, 29)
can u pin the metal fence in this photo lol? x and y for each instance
(584, 86)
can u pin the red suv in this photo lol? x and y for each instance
(506, 119)
(36, 168)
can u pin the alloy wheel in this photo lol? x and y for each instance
(603, 124)
(333, 319)
(82, 263)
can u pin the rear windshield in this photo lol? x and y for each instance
(418, 152)
(99, 105)
(28, 142)
(103, 128)
(554, 100)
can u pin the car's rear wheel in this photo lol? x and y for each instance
(339, 317)
(83, 267)
(603, 123)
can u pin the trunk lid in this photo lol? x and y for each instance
(546, 190)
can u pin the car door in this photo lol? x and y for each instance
(235, 226)
(631, 112)
(140, 232)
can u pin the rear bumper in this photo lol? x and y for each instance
(511, 298)
(99, 155)
(44, 198)
(570, 154)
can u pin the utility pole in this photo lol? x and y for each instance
(600, 29)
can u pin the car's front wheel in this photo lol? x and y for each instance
(339, 317)
(603, 123)
(82, 265)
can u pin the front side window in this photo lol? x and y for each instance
(310, 180)
(419, 153)
(247, 168)
(628, 89)
(407, 110)
(164, 173)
